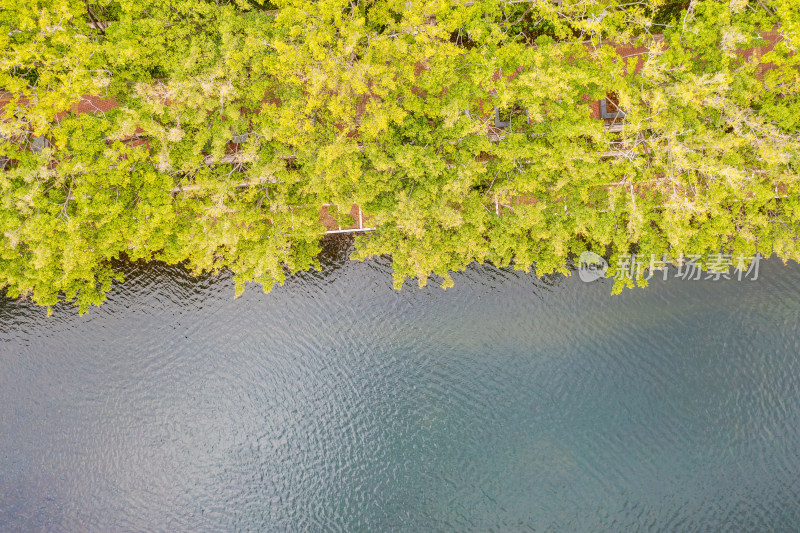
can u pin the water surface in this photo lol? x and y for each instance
(335, 403)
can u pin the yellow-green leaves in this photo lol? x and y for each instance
(235, 125)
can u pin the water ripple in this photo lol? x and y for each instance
(334, 403)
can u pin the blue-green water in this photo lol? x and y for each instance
(338, 404)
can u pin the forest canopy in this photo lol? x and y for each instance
(520, 132)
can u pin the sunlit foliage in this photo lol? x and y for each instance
(389, 105)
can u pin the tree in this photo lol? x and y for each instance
(226, 126)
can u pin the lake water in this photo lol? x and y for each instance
(335, 403)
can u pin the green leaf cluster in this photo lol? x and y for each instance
(232, 124)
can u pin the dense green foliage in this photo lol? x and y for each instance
(364, 101)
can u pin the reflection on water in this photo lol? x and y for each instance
(336, 403)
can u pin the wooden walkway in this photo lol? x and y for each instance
(327, 218)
